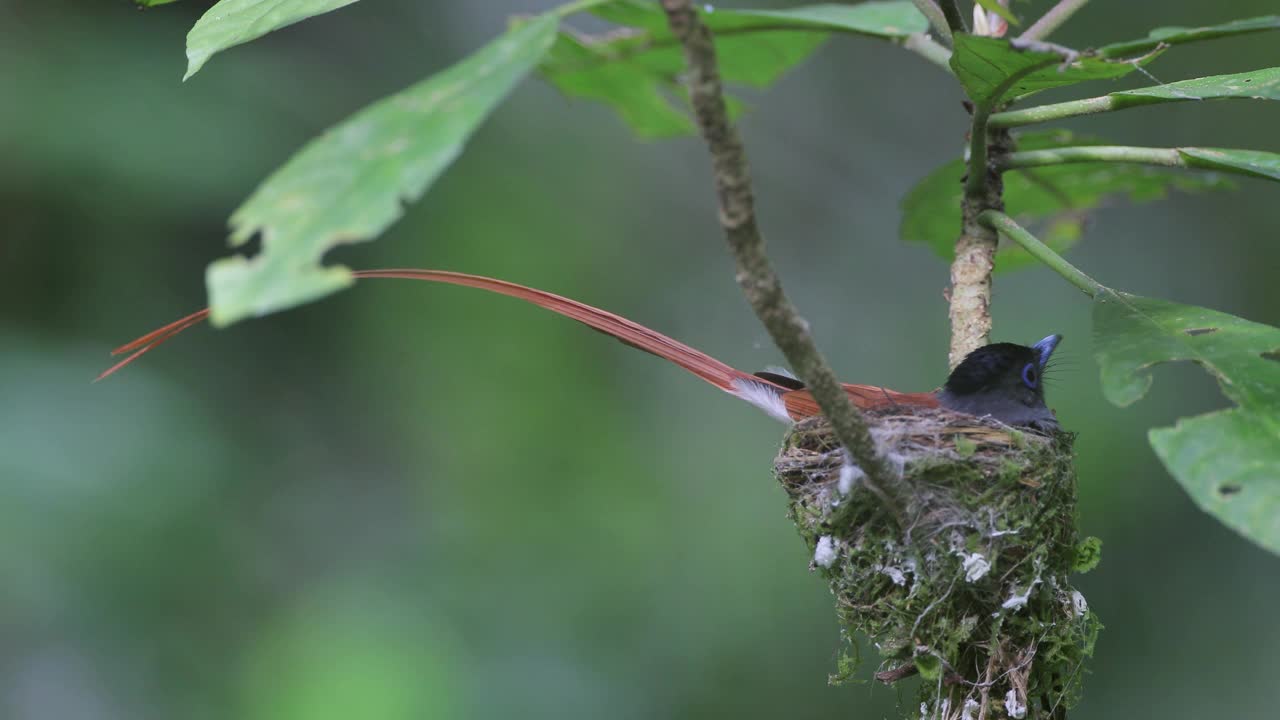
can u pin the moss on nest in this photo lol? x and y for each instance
(973, 594)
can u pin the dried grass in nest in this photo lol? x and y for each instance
(973, 594)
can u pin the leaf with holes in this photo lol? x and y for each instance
(235, 22)
(992, 70)
(349, 184)
(1229, 461)
(1054, 202)
(1178, 35)
(635, 68)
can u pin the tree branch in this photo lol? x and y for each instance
(970, 297)
(756, 276)
(1052, 20)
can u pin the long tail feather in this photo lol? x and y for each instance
(700, 364)
(785, 401)
(151, 340)
(634, 334)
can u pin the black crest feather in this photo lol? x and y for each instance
(985, 366)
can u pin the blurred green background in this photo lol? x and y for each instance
(412, 501)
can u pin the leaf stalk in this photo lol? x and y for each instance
(1052, 20)
(1002, 223)
(1166, 157)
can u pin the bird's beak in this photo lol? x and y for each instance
(1045, 348)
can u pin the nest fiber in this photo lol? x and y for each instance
(966, 583)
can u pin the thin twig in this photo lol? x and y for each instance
(902, 672)
(756, 275)
(1052, 20)
(929, 49)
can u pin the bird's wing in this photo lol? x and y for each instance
(800, 403)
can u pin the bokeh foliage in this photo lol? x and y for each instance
(610, 544)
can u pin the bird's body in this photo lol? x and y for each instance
(986, 383)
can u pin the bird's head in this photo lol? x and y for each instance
(1005, 381)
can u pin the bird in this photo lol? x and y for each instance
(1003, 381)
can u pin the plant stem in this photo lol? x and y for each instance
(930, 9)
(970, 296)
(1168, 157)
(978, 128)
(929, 49)
(1052, 20)
(955, 20)
(756, 275)
(1003, 223)
(1055, 111)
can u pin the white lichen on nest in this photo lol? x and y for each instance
(990, 516)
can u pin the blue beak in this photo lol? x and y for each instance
(1045, 348)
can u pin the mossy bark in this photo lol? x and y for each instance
(974, 594)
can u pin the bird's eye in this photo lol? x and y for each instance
(1030, 376)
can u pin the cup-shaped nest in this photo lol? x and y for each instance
(966, 582)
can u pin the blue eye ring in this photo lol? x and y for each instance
(1030, 376)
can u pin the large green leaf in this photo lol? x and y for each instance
(1249, 162)
(1229, 461)
(1053, 202)
(350, 184)
(1180, 35)
(234, 22)
(992, 70)
(635, 69)
(1253, 85)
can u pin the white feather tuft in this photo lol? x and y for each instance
(850, 474)
(1013, 706)
(825, 554)
(766, 397)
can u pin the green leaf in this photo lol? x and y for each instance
(1229, 460)
(234, 22)
(152, 3)
(636, 68)
(1004, 12)
(881, 19)
(929, 666)
(1249, 162)
(1253, 85)
(1088, 554)
(349, 184)
(644, 98)
(992, 70)
(1052, 202)
(1180, 35)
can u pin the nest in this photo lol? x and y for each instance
(967, 583)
